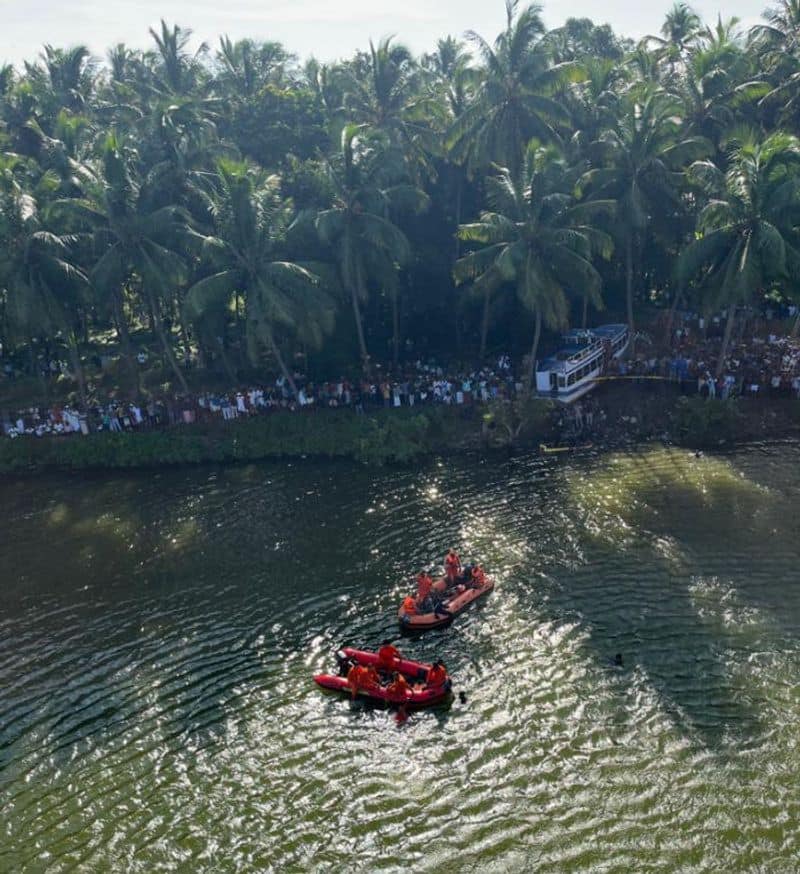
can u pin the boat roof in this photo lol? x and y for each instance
(601, 332)
(558, 361)
(605, 331)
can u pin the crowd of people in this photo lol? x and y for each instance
(420, 385)
(754, 367)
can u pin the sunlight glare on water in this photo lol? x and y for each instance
(158, 633)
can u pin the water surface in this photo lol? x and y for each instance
(158, 632)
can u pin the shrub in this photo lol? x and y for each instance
(706, 422)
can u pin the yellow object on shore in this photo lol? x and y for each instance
(549, 449)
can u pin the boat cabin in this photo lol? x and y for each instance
(574, 369)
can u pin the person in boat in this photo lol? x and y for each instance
(477, 577)
(452, 566)
(424, 590)
(398, 690)
(356, 677)
(370, 679)
(437, 674)
(388, 656)
(410, 605)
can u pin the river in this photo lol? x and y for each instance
(159, 630)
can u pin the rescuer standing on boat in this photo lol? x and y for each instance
(452, 566)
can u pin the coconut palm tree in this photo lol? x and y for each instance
(537, 238)
(133, 242)
(389, 100)
(679, 32)
(718, 82)
(747, 230)
(638, 164)
(279, 295)
(244, 67)
(782, 30)
(515, 100)
(38, 268)
(366, 243)
(178, 71)
(777, 45)
(64, 79)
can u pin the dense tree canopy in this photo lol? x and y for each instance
(245, 207)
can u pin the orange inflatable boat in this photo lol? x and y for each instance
(454, 600)
(418, 692)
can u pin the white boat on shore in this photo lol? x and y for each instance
(574, 369)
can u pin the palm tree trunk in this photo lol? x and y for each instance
(585, 313)
(124, 335)
(459, 191)
(671, 317)
(355, 289)
(629, 285)
(187, 346)
(531, 375)
(395, 329)
(165, 344)
(726, 339)
(84, 316)
(75, 358)
(226, 364)
(32, 358)
(484, 325)
(796, 325)
(281, 363)
(240, 330)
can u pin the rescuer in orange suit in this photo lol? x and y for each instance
(437, 674)
(452, 566)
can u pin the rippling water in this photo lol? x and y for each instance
(158, 633)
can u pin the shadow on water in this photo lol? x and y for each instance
(190, 610)
(678, 539)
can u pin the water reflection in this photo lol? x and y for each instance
(157, 642)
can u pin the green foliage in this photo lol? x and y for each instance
(374, 440)
(277, 124)
(125, 174)
(706, 422)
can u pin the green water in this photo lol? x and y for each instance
(158, 633)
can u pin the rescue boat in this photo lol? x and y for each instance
(420, 693)
(455, 600)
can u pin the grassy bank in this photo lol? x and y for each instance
(400, 436)
(392, 436)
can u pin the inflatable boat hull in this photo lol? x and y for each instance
(454, 604)
(420, 694)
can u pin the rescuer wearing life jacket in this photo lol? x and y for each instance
(355, 678)
(388, 656)
(478, 577)
(398, 690)
(437, 674)
(370, 678)
(409, 605)
(452, 566)
(424, 586)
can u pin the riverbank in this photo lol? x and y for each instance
(638, 412)
(629, 412)
(385, 437)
